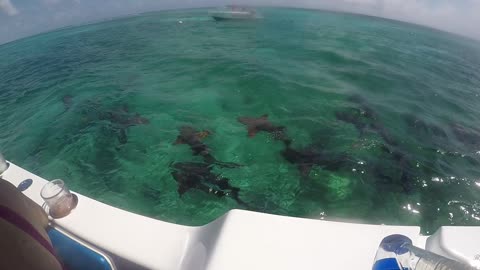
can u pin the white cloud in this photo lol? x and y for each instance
(454, 16)
(451, 15)
(7, 7)
(458, 16)
(51, 2)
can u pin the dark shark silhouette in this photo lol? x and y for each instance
(364, 117)
(417, 124)
(437, 142)
(192, 137)
(67, 101)
(121, 119)
(255, 125)
(122, 136)
(406, 179)
(468, 136)
(196, 175)
(355, 117)
(307, 158)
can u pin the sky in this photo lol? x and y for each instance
(21, 18)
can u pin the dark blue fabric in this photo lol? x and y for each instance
(25, 184)
(74, 255)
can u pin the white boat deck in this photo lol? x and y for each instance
(238, 240)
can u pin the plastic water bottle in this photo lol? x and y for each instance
(419, 259)
(386, 257)
(408, 257)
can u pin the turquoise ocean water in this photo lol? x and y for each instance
(398, 104)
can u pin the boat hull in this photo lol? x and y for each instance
(224, 16)
(265, 241)
(219, 18)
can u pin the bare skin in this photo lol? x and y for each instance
(23, 251)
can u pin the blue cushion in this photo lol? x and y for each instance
(76, 256)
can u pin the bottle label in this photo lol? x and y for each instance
(386, 264)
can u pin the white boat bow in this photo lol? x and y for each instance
(240, 239)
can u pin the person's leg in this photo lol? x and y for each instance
(18, 250)
(15, 200)
(24, 241)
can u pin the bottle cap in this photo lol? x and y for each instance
(396, 243)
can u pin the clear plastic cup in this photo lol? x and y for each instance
(58, 198)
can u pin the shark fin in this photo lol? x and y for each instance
(203, 134)
(305, 169)
(178, 141)
(252, 131)
(182, 189)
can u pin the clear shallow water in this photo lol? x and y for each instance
(412, 92)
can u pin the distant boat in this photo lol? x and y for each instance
(233, 12)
